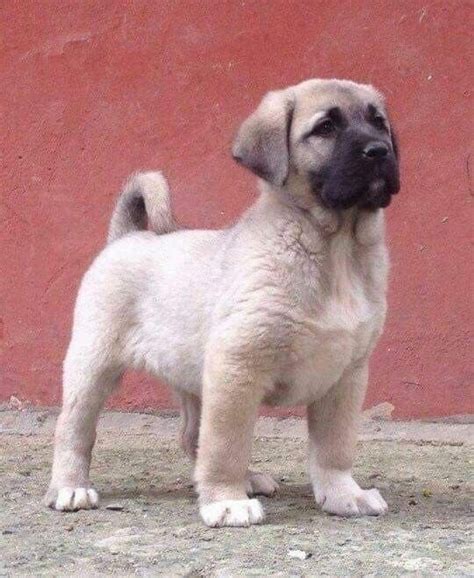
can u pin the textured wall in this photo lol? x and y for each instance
(94, 90)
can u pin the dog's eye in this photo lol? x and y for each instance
(324, 128)
(379, 122)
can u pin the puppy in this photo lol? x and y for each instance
(284, 307)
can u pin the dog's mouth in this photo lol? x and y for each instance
(377, 196)
(364, 188)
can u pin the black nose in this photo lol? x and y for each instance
(376, 150)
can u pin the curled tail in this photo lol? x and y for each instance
(143, 204)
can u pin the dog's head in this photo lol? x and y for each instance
(323, 141)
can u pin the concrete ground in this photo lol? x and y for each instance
(422, 469)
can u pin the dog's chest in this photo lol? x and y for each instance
(338, 329)
(346, 305)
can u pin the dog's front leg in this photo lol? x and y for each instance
(332, 425)
(230, 399)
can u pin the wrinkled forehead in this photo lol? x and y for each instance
(315, 96)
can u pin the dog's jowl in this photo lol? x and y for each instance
(283, 307)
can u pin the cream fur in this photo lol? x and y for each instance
(284, 307)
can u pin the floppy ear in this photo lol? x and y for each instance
(396, 150)
(262, 143)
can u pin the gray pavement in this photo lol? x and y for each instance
(423, 469)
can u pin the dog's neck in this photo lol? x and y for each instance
(366, 227)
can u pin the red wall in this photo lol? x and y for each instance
(95, 90)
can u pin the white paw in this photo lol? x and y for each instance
(73, 499)
(337, 493)
(258, 484)
(362, 503)
(232, 513)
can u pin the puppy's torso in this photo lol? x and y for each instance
(301, 300)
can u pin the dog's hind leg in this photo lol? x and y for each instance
(191, 416)
(92, 369)
(257, 483)
(89, 378)
(260, 484)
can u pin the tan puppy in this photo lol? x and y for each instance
(284, 307)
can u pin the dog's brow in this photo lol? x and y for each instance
(373, 111)
(316, 117)
(335, 113)
(310, 124)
